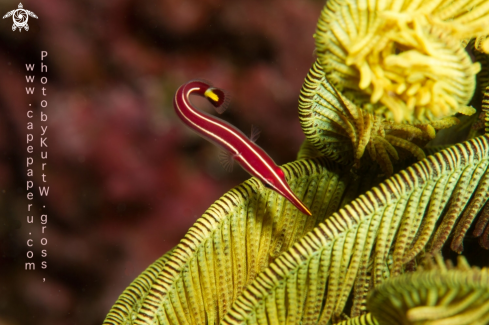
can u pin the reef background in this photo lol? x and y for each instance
(127, 178)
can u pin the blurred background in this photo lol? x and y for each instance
(127, 178)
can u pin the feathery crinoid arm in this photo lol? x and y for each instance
(253, 256)
(128, 305)
(370, 240)
(389, 75)
(343, 131)
(224, 251)
(437, 294)
(405, 58)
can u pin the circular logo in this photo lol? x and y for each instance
(20, 18)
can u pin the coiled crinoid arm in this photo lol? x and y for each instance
(437, 295)
(343, 131)
(405, 57)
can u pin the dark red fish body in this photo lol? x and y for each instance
(249, 155)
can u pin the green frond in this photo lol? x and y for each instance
(485, 109)
(437, 296)
(368, 240)
(235, 239)
(254, 258)
(483, 75)
(431, 150)
(343, 131)
(365, 319)
(308, 151)
(128, 306)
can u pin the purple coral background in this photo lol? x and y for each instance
(126, 178)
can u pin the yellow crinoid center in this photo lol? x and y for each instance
(406, 58)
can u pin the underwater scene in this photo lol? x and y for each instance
(394, 173)
(244, 162)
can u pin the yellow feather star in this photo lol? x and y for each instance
(436, 295)
(405, 57)
(342, 131)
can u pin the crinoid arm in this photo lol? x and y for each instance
(366, 243)
(405, 58)
(343, 131)
(389, 76)
(436, 294)
(224, 251)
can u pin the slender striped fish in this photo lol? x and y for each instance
(249, 155)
